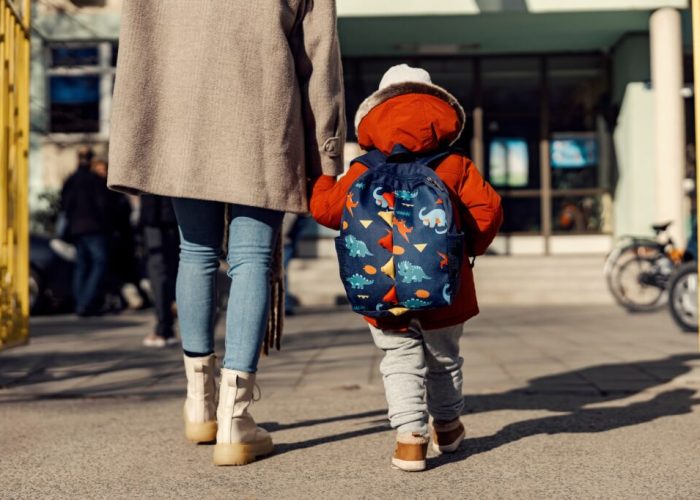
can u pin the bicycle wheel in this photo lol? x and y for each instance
(630, 285)
(683, 297)
(638, 247)
(621, 255)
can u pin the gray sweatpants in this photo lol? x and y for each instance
(417, 364)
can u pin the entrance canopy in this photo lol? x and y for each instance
(444, 27)
(371, 8)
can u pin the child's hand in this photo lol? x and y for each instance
(328, 195)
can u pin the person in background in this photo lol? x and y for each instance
(122, 281)
(162, 241)
(85, 202)
(292, 224)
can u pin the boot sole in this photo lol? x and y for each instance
(408, 465)
(241, 453)
(449, 448)
(200, 432)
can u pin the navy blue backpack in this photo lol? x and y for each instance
(399, 248)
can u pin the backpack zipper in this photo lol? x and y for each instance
(432, 182)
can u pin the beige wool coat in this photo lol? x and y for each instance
(236, 101)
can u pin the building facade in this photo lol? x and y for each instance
(575, 108)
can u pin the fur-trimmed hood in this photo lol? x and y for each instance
(417, 121)
(409, 87)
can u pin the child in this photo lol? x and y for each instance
(421, 348)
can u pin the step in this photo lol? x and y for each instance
(518, 280)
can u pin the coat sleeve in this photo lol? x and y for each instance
(319, 69)
(484, 214)
(328, 196)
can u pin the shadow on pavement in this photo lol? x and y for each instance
(674, 402)
(551, 393)
(276, 426)
(125, 371)
(571, 390)
(93, 374)
(597, 384)
(57, 325)
(300, 445)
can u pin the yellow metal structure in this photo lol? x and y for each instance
(14, 171)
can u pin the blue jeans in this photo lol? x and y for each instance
(90, 271)
(252, 239)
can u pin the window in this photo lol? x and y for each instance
(577, 102)
(509, 162)
(511, 89)
(75, 103)
(574, 160)
(578, 214)
(519, 109)
(511, 103)
(66, 57)
(80, 80)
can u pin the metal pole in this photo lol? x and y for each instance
(545, 161)
(696, 95)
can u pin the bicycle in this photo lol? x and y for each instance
(639, 269)
(683, 297)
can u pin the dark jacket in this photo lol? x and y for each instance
(157, 211)
(85, 201)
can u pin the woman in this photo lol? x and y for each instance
(226, 102)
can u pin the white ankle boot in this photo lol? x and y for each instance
(239, 440)
(200, 405)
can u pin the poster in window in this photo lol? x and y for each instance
(574, 151)
(509, 162)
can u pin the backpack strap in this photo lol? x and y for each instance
(371, 159)
(434, 158)
(401, 154)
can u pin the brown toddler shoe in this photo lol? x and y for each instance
(447, 436)
(410, 452)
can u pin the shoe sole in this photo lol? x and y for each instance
(449, 448)
(408, 465)
(154, 343)
(200, 432)
(241, 453)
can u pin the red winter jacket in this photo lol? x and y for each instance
(421, 123)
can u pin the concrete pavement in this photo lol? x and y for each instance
(562, 402)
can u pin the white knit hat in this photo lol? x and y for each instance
(403, 79)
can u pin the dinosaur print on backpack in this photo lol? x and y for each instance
(356, 247)
(359, 281)
(411, 273)
(436, 218)
(400, 249)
